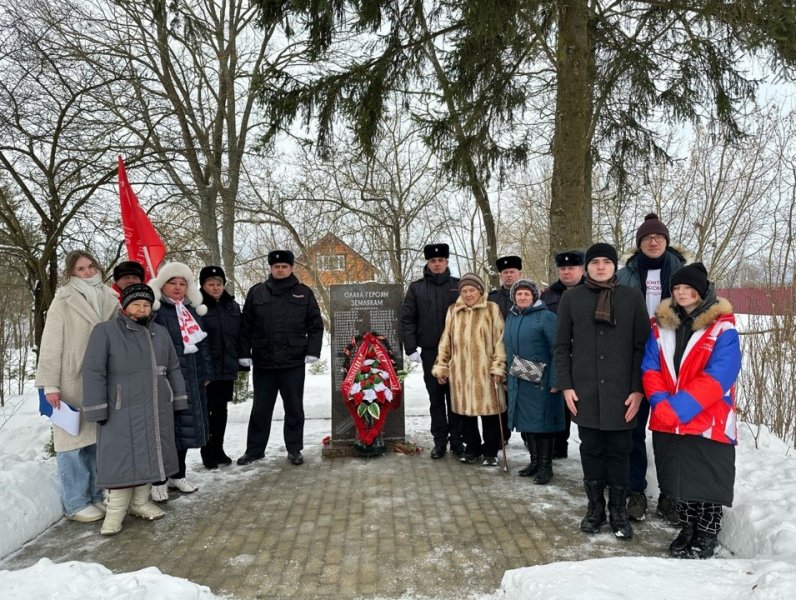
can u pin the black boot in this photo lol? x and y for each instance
(209, 457)
(704, 545)
(545, 472)
(617, 508)
(531, 442)
(595, 513)
(682, 543)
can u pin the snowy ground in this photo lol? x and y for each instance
(759, 536)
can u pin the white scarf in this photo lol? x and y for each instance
(191, 333)
(93, 290)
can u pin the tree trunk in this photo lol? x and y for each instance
(571, 203)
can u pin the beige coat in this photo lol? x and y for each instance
(471, 351)
(70, 320)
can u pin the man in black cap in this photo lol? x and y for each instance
(510, 270)
(422, 323)
(125, 274)
(281, 330)
(649, 268)
(570, 275)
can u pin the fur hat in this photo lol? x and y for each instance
(281, 256)
(525, 284)
(211, 271)
(601, 250)
(128, 267)
(436, 251)
(178, 269)
(473, 280)
(651, 225)
(509, 262)
(569, 258)
(694, 275)
(137, 291)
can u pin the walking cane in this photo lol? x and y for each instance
(500, 422)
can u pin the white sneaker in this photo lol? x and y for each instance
(160, 493)
(87, 514)
(182, 484)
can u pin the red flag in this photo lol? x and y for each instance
(143, 242)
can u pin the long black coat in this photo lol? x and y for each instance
(222, 324)
(424, 309)
(601, 363)
(281, 324)
(190, 426)
(133, 385)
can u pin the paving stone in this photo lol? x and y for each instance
(348, 528)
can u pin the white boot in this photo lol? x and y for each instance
(140, 506)
(182, 484)
(160, 493)
(118, 501)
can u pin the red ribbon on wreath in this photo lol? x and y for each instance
(371, 387)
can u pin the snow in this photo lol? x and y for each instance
(758, 536)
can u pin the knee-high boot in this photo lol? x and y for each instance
(545, 472)
(533, 466)
(118, 501)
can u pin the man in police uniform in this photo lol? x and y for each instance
(422, 323)
(570, 274)
(281, 330)
(510, 270)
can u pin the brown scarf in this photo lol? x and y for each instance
(604, 313)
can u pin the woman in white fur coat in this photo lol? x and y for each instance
(79, 304)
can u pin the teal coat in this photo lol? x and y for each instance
(530, 333)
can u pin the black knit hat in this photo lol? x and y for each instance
(211, 271)
(137, 291)
(570, 258)
(652, 224)
(280, 256)
(694, 275)
(509, 262)
(436, 251)
(601, 250)
(128, 267)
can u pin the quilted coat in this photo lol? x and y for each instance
(133, 386)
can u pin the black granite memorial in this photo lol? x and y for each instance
(355, 309)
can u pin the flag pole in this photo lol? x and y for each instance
(148, 260)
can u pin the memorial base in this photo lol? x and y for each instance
(339, 449)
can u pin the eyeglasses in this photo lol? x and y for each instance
(654, 238)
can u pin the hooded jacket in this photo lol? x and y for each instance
(700, 398)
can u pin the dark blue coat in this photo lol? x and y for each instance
(530, 333)
(190, 426)
(222, 324)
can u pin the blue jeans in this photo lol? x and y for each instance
(638, 455)
(77, 472)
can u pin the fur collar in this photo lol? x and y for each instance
(667, 318)
(459, 305)
(630, 254)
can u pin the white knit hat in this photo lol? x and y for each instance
(178, 269)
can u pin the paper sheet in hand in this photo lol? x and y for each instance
(67, 418)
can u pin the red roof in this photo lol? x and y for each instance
(759, 300)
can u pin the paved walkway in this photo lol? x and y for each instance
(396, 526)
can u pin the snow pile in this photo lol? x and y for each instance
(46, 580)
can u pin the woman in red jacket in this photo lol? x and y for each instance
(689, 370)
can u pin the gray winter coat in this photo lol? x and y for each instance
(132, 386)
(601, 363)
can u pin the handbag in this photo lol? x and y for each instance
(529, 370)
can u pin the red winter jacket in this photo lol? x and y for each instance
(701, 399)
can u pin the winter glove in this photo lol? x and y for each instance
(310, 359)
(245, 362)
(415, 357)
